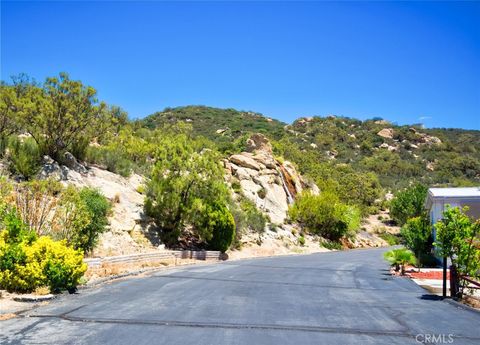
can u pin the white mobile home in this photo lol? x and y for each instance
(438, 198)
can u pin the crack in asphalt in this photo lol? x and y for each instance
(225, 325)
(240, 326)
(289, 267)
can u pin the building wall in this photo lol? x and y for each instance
(438, 206)
(474, 209)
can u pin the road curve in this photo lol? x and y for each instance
(343, 297)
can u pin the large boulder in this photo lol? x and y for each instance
(386, 133)
(258, 142)
(271, 185)
(72, 163)
(246, 161)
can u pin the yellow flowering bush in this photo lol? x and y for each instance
(61, 265)
(28, 262)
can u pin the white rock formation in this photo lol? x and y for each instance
(271, 185)
(127, 213)
(386, 133)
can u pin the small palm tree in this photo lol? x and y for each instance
(400, 258)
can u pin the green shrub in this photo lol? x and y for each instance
(61, 265)
(114, 160)
(331, 245)
(79, 148)
(24, 157)
(400, 258)
(408, 203)
(98, 207)
(185, 181)
(237, 188)
(3, 145)
(247, 218)
(70, 218)
(222, 225)
(255, 220)
(417, 234)
(457, 238)
(301, 241)
(325, 215)
(78, 217)
(391, 239)
(28, 262)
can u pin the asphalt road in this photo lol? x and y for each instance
(327, 298)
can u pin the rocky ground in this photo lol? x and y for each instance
(129, 229)
(373, 229)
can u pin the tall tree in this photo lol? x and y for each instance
(185, 180)
(65, 115)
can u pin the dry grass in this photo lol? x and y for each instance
(116, 199)
(108, 270)
(8, 316)
(472, 301)
(42, 290)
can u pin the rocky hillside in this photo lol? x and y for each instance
(272, 185)
(129, 230)
(397, 154)
(267, 164)
(255, 174)
(218, 125)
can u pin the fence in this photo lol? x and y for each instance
(455, 288)
(165, 256)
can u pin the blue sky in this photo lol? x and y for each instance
(408, 62)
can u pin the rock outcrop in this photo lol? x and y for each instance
(127, 214)
(428, 139)
(388, 147)
(386, 133)
(272, 185)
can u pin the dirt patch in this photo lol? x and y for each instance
(471, 301)
(9, 307)
(380, 223)
(109, 269)
(282, 242)
(8, 316)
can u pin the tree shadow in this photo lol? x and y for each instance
(430, 297)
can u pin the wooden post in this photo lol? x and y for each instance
(444, 294)
(453, 282)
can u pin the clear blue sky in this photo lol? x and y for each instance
(406, 62)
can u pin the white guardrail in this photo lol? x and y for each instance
(164, 255)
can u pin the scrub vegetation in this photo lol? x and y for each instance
(46, 228)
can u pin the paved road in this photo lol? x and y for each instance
(327, 298)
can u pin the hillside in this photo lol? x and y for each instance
(218, 125)
(397, 154)
(213, 178)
